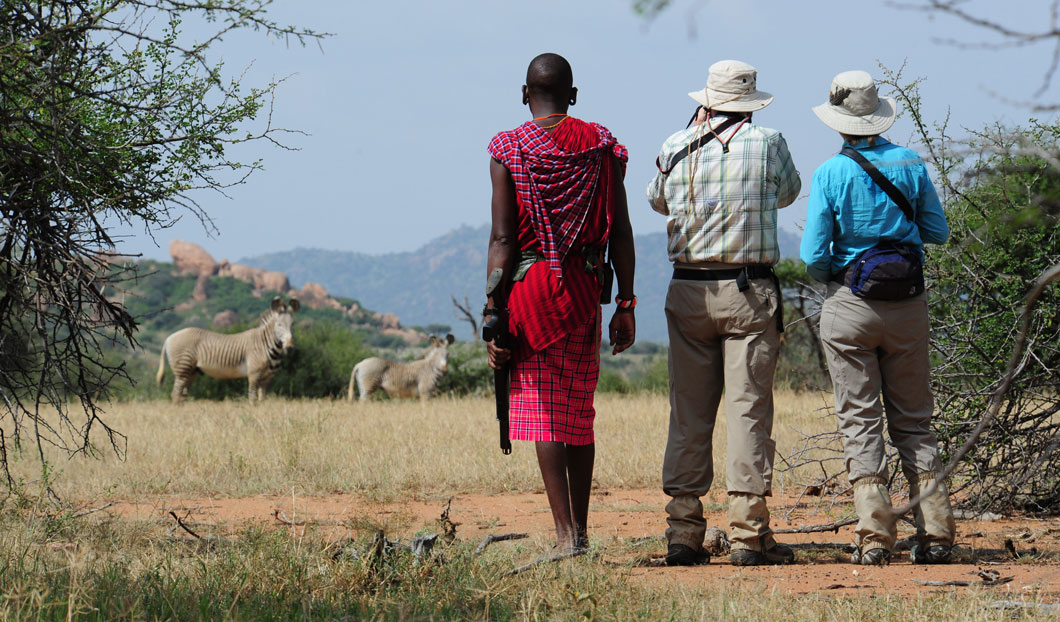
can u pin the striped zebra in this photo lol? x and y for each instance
(252, 354)
(419, 377)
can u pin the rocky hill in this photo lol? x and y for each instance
(420, 285)
(197, 290)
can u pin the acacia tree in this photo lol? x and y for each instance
(108, 114)
(990, 345)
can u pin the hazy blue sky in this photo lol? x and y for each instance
(402, 101)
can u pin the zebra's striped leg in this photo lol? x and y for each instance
(180, 388)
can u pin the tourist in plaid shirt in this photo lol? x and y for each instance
(558, 201)
(720, 183)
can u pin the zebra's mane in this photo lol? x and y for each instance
(265, 316)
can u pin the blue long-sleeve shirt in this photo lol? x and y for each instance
(849, 214)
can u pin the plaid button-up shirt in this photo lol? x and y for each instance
(722, 206)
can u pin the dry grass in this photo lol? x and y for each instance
(97, 567)
(381, 449)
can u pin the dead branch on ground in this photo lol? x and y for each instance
(491, 538)
(545, 560)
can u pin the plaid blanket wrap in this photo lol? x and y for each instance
(556, 185)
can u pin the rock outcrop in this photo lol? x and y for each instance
(224, 320)
(262, 280)
(193, 259)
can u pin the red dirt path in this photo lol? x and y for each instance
(633, 514)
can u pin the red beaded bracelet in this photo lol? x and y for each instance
(626, 304)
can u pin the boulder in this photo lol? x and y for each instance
(315, 296)
(199, 293)
(192, 259)
(225, 320)
(390, 321)
(274, 282)
(240, 272)
(410, 337)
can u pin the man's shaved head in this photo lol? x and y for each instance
(549, 76)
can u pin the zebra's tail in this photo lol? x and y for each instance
(353, 380)
(162, 364)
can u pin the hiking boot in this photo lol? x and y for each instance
(682, 555)
(933, 554)
(872, 557)
(774, 555)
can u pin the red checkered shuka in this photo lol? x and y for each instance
(548, 304)
(555, 184)
(551, 397)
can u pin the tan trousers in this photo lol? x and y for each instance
(722, 341)
(875, 347)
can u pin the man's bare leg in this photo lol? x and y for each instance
(552, 458)
(580, 460)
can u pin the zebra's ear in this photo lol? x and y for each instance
(450, 338)
(277, 304)
(295, 305)
(433, 341)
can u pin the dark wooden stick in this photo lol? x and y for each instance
(183, 526)
(819, 528)
(545, 560)
(93, 510)
(491, 538)
(280, 516)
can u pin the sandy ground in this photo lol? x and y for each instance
(637, 517)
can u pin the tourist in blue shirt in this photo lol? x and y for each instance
(874, 345)
(848, 213)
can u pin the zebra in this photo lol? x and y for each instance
(420, 377)
(252, 354)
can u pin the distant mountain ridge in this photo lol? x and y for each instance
(417, 285)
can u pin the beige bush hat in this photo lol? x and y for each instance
(732, 87)
(854, 106)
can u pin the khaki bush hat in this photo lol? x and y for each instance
(732, 87)
(854, 107)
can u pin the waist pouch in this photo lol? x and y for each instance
(595, 263)
(886, 271)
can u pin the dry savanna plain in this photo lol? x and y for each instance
(319, 509)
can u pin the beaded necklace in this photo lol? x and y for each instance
(554, 114)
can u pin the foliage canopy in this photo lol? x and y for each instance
(108, 114)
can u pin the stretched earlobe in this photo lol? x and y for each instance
(526, 96)
(573, 96)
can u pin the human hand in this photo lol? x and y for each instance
(622, 330)
(497, 357)
(701, 116)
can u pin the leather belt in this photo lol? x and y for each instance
(753, 271)
(741, 276)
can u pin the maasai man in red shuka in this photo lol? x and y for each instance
(558, 202)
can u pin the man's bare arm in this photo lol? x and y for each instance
(503, 246)
(623, 327)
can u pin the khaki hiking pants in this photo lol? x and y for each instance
(722, 340)
(874, 347)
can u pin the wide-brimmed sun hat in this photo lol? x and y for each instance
(732, 86)
(854, 106)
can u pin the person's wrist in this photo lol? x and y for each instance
(625, 304)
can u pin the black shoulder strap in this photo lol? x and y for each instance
(696, 144)
(881, 181)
